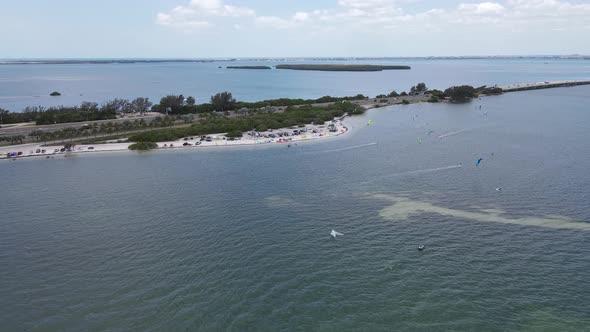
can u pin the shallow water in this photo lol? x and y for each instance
(240, 239)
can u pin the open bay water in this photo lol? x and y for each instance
(30, 85)
(239, 239)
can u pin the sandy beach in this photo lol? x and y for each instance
(295, 136)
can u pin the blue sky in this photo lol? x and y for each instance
(282, 28)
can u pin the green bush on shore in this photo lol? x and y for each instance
(461, 94)
(234, 133)
(143, 146)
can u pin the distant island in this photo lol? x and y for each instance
(342, 67)
(248, 67)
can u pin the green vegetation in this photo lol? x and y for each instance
(234, 133)
(261, 121)
(435, 93)
(490, 91)
(16, 139)
(405, 102)
(223, 101)
(55, 94)
(329, 67)
(461, 94)
(433, 99)
(143, 146)
(248, 67)
(418, 89)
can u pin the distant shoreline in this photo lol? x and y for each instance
(41, 61)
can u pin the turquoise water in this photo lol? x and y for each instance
(30, 85)
(239, 239)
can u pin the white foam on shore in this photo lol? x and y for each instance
(403, 207)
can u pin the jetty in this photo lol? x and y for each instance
(542, 85)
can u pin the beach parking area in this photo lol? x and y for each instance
(286, 136)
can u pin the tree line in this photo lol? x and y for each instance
(461, 93)
(224, 101)
(86, 111)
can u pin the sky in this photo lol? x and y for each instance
(291, 28)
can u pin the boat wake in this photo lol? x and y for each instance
(350, 148)
(412, 172)
(453, 133)
(427, 170)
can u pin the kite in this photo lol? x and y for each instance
(369, 122)
(420, 140)
(478, 161)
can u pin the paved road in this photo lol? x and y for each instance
(26, 128)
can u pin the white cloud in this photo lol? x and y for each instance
(197, 13)
(275, 22)
(371, 17)
(484, 8)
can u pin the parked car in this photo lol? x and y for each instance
(91, 148)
